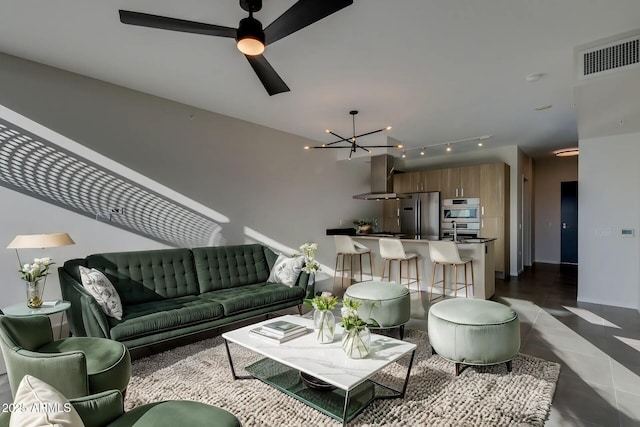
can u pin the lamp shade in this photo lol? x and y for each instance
(33, 241)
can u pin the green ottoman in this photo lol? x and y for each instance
(388, 304)
(474, 332)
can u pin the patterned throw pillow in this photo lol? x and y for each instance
(286, 270)
(102, 290)
(40, 405)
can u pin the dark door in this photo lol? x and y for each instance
(569, 224)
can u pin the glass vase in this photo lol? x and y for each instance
(34, 294)
(324, 324)
(356, 343)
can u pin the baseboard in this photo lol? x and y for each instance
(609, 303)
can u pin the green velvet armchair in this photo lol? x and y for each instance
(105, 409)
(76, 366)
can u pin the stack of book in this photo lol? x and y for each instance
(278, 331)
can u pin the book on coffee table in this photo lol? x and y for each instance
(268, 336)
(282, 328)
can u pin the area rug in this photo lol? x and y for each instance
(480, 396)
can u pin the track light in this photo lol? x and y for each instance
(404, 155)
(422, 152)
(448, 148)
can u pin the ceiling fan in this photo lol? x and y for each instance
(250, 37)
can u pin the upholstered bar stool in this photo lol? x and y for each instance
(393, 250)
(345, 246)
(446, 254)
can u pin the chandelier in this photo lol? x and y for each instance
(352, 142)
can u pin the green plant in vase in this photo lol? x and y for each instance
(366, 225)
(324, 322)
(356, 341)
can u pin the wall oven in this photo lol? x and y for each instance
(465, 213)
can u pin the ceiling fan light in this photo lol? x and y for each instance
(250, 37)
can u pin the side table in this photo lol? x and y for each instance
(47, 309)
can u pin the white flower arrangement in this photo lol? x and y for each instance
(37, 270)
(309, 251)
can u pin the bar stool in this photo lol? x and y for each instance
(346, 246)
(445, 254)
(393, 250)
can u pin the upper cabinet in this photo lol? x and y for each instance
(460, 182)
(417, 182)
(402, 183)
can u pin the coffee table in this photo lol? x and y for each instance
(352, 378)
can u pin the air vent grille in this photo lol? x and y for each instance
(610, 57)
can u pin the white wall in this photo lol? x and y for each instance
(609, 199)
(22, 214)
(270, 188)
(510, 155)
(549, 173)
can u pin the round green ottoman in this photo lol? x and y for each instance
(173, 413)
(388, 304)
(474, 332)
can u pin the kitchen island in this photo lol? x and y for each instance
(480, 250)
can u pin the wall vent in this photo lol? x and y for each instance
(610, 57)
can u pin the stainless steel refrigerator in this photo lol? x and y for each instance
(420, 216)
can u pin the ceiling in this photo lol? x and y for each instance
(435, 70)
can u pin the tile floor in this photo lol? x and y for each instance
(598, 346)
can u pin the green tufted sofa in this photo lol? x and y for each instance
(171, 293)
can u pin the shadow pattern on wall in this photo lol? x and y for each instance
(38, 168)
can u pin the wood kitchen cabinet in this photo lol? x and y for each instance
(494, 211)
(425, 181)
(417, 182)
(460, 182)
(494, 227)
(391, 216)
(402, 183)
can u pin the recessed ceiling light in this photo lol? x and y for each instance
(534, 77)
(567, 152)
(543, 107)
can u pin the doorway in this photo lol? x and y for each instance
(569, 222)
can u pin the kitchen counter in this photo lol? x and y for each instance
(377, 236)
(480, 250)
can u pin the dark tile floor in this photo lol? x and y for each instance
(598, 346)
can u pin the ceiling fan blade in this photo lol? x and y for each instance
(300, 15)
(267, 75)
(173, 24)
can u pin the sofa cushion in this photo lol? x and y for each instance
(102, 290)
(249, 297)
(157, 316)
(40, 405)
(225, 267)
(146, 276)
(286, 270)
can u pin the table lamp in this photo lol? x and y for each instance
(35, 241)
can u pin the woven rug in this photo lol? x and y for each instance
(480, 396)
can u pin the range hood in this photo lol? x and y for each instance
(382, 180)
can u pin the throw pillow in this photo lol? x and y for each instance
(37, 404)
(286, 270)
(102, 290)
